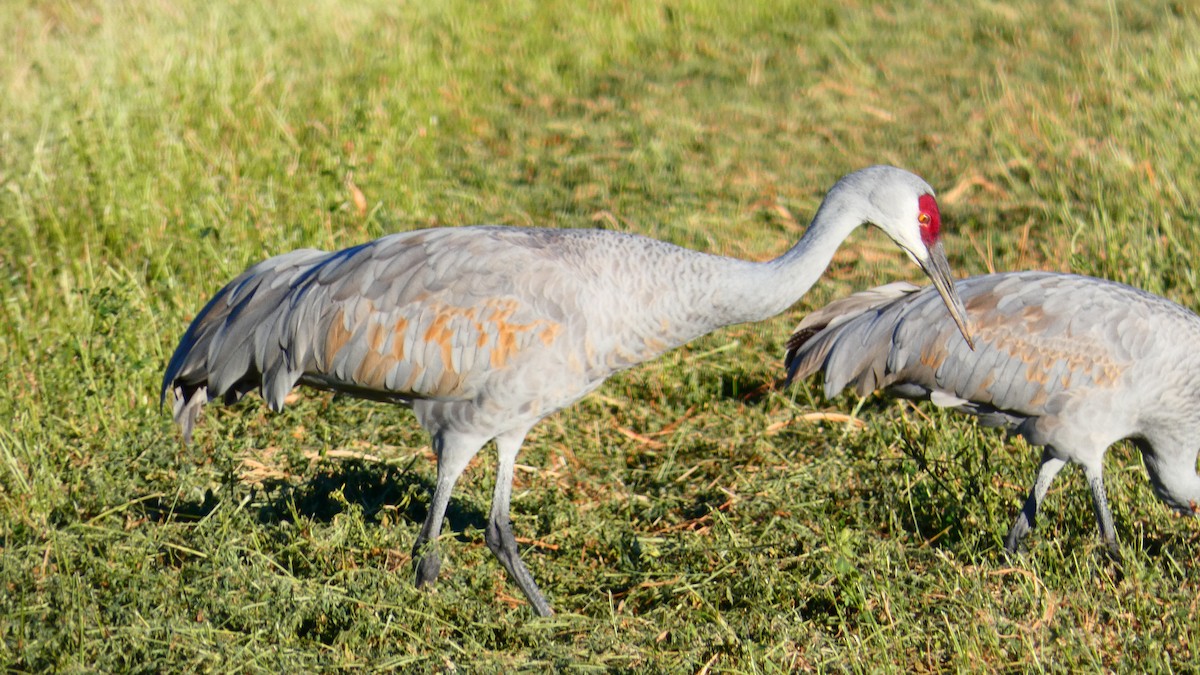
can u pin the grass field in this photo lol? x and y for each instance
(691, 516)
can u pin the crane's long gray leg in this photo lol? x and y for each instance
(1104, 519)
(1048, 469)
(499, 535)
(453, 451)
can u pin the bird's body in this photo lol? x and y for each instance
(483, 331)
(1071, 363)
(444, 320)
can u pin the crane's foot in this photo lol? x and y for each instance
(426, 563)
(1111, 563)
(1016, 533)
(1112, 553)
(500, 540)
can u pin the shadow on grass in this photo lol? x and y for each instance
(371, 486)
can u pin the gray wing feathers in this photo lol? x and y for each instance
(267, 326)
(845, 309)
(1037, 335)
(424, 314)
(231, 340)
(903, 338)
(848, 339)
(223, 350)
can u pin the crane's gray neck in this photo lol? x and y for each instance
(763, 290)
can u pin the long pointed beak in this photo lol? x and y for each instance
(938, 270)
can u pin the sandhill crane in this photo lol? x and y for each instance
(1071, 363)
(483, 331)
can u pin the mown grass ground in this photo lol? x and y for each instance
(691, 515)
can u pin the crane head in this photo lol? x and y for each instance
(935, 265)
(904, 207)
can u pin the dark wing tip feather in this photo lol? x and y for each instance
(174, 366)
(796, 341)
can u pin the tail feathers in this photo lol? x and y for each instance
(847, 339)
(840, 311)
(233, 346)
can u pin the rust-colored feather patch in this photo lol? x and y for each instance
(1040, 357)
(399, 329)
(335, 338)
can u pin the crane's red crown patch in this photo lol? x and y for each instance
(930, 219)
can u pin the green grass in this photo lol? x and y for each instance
(686, 517)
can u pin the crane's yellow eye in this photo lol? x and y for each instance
(923, 219)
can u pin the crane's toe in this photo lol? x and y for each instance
(500, 540)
